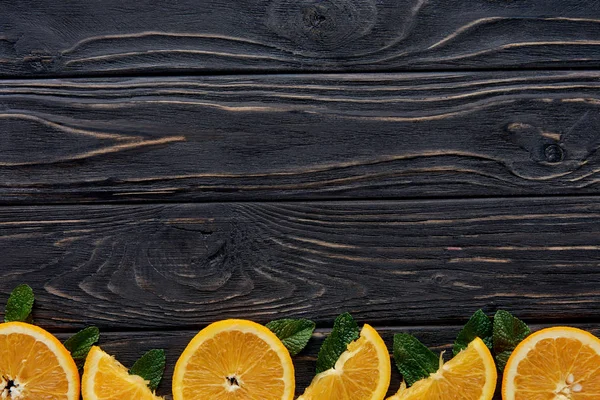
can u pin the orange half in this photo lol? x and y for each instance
(35, 365)
(558, 363)
(234, 360)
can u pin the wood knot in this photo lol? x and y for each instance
(553, 153)
(543, 146)
(322, 25)
(440, 279)
(570, 148)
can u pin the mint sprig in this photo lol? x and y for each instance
(293, 333)
(479, 326)
(151, 367)
(413, 359)
(509, 331)
(19, 305)
(345, 331)
(80, 344)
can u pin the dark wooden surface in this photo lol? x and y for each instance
(399, 263)
(299, 137)
(82, 37)
(167, 164)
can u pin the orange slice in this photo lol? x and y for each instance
(35, 365)
(361, 373)
(104, 378)
(471, 373)
(234, 360)
(556, 364)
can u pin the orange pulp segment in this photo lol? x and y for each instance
(470, 375)
(361, 373)
(104, 378)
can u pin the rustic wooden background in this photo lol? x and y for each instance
(167, 164)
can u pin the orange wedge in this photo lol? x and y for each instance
(234, 360)
(361, 373)
(557, 363)
(470, 375)
(35, 365)
(104, 378)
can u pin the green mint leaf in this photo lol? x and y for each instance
(19, 305)
(479, 326)
(150, 367)
(293, 333)
(508, 333)
(79, 345)
(502, 359)
(345, 331)
(413, 359)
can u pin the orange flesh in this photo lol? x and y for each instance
(470, 375)
(234, 365)
(559, 366)
(463, 376)
(33, 366)
(113, 382)
(357, 379)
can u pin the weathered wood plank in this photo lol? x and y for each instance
(129, 346)
(398, 263)
(299, 137)
(43, 37)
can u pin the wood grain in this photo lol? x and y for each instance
(299, 137)
(262, 151)
(129, 346)
(389, 263)
(41, 37)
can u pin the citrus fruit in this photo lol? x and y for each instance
(361, 373)
(234, 360)
(556, 364)
(104, 378)
(35, 365)
(472, 373)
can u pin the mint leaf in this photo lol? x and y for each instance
(502, 359)
(413, 359)
(293, 333)
(79, 345)
(19, 304)
(345, 331)
(479, 326)
(508, 333)
(151, 367)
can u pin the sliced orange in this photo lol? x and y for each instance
(35, 365)
(556, 364)
(361, 373)
(470, 375)
(104, 378)
(234, 360)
